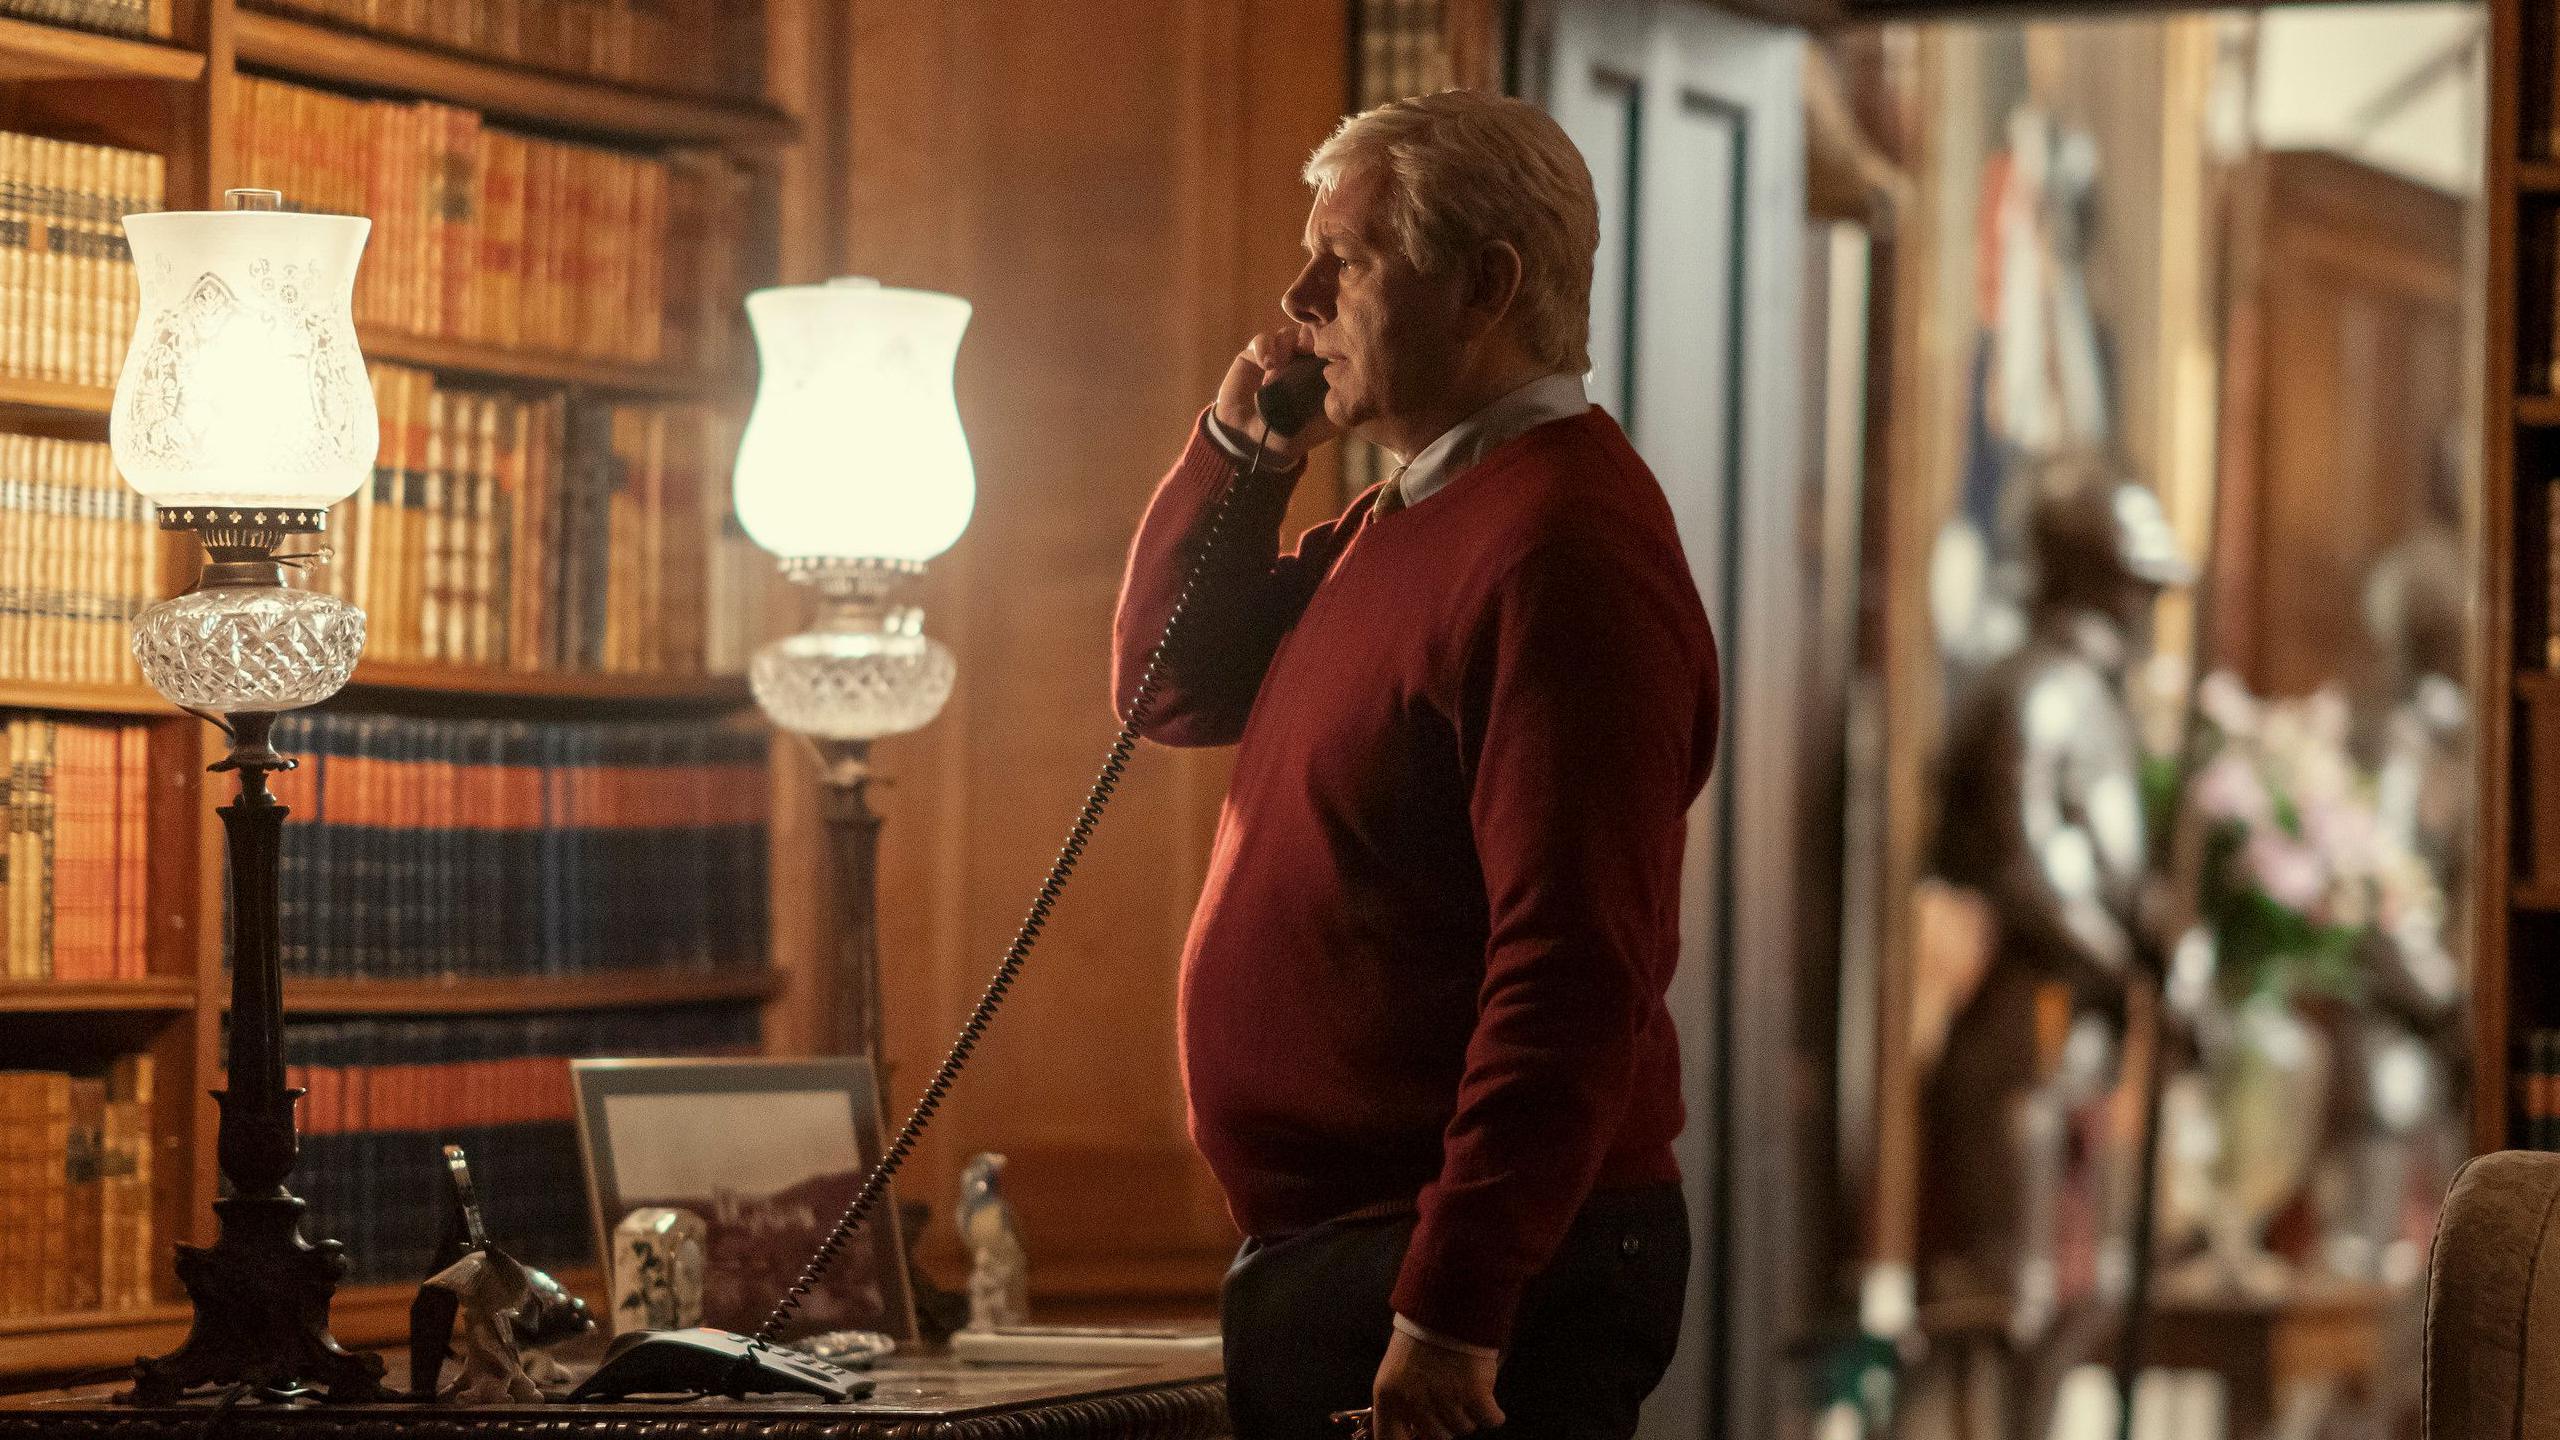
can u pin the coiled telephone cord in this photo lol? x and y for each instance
(895, 1156)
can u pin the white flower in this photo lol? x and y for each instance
(2288, 871)
(2228, 788)
(2228, 704)
(2345, 834)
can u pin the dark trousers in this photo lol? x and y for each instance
(1307, 1321)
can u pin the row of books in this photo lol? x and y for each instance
(1401, 50)
(2550, 629)
(77, 561)
(546, 532)
(2537, 1089)
(487, 235)
(697, 47)
(67, 292)
(106, 17)
(384, 1097)
(421, 848)
(73, 881)
(75, 1182)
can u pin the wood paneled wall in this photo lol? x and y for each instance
(1115, 189)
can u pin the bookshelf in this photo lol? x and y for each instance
(62, 395)
(299, 48)
(513, 997)
(33, 51)
(94, 997)
(2515, 896)
(180, 97)
(710, 692)
(464, 357)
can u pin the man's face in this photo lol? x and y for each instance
(1393, 336)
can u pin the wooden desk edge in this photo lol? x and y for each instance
(1163, 1402)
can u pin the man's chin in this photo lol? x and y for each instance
(1348, 412)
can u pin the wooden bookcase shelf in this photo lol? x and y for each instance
(90, 1319)
(464, 357)
(26, 393)
(504, 997)
(31, 50)
(177, 1013)
(2538, 410)
(2538, 177)
(27, 997)
(136, 699)
(471, 682)
(342, 57)
(88, 1340)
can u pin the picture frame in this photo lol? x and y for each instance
(667, 1133)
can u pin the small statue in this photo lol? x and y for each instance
(496, 1310)
(2025, 1200)
(487, 1286)
(999, 1270)
(2395, 1125)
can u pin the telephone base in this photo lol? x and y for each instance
(703, 1361)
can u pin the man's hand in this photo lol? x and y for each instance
(1262, 358)
(1430, 1392)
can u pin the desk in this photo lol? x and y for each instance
(2267, 1348)
(917, 1399)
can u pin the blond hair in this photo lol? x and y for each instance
(1461, 169)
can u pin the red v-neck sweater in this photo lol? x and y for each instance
(1442, 908)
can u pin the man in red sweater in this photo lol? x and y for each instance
(1422, 1018)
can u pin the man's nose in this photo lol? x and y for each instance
(1307, 300)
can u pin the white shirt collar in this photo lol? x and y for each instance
(1551, 397)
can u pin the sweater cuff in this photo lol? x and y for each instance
(1439, 1341)
(1240, 448)
(1458, 1291)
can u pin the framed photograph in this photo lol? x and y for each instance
(769, 1153)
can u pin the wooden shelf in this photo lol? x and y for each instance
(2535, 897)
(498, 997)
(2538, 686)
(2538, 409)
(96, 699)
(91, 1340)
(19, 997)
(31, 50)
(500, 362)
(591, 107)
(704, 691)
(26, 393)
(91, 1319)
(2538, 177)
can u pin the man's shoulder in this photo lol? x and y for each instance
(1576, 474)
(1577, 491)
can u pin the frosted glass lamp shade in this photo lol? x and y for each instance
(854, 449)
(243, 387)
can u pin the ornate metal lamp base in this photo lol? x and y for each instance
(261, 1296)
(261, 1291)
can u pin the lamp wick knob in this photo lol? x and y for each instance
(250, 198)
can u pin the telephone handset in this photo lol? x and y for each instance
(1291, 398)
(714, 1362)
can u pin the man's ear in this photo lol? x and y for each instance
(1493, 281)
